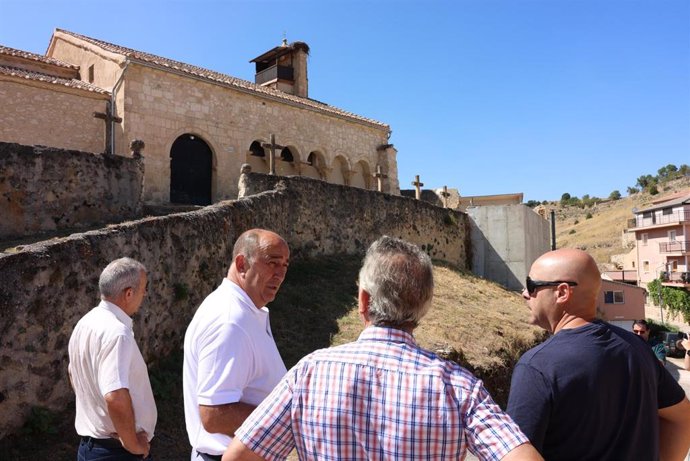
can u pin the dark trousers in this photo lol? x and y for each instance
(91, 449)
(207, 457)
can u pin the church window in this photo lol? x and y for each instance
(91, 74)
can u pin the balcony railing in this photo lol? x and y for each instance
(622, 276)
(655, 219)
(675, 246)
(274, 72)
(675, 277)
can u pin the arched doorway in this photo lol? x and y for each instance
(191, 163)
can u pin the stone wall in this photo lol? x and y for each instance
(46, 189)
(47, 287)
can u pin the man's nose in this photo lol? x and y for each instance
(525, 294)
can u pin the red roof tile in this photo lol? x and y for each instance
(39, 77)
(35, 57)
(219, 78)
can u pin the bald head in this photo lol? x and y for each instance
(576, 266)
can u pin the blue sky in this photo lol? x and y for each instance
(487, 96)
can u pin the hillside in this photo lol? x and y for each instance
(315, 308)
(601, 234)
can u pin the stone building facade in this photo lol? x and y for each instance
(35, 94)
(199, 126)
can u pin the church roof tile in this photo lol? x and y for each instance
(6, 50)
(219, 78)
(40, 77)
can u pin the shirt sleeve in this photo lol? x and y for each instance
(226, 365)
(268, 430)
(669, 392)
(114, 364)
(491, 433)
(529, 403)
(660, 352)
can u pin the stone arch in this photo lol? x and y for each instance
(340, 171)
(191, 170)
(361, 175)
(288, 161)
(257, 157)
(315, 167)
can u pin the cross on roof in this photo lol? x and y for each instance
(445, 194)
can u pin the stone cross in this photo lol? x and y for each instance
(445, 196)
(418, 187)
(380, 176)
(109, 118)
(272, 154)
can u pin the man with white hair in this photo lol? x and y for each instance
(382, 396)
(116, 413)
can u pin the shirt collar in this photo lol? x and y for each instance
(388, 334)
(241, 293)
(117, 311)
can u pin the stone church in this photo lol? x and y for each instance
(198, 126)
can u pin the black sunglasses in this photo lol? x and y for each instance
(532, 285)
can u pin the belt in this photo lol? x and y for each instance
(110, 444)
(207, 457)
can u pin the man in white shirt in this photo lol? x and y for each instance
(115, 410)
(231, 362)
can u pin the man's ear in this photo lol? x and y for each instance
(241, 264)
(563, 293)
(363, 299)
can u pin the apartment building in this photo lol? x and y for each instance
(662, 235)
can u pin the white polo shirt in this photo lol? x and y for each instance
(229, 356)
(104, 357)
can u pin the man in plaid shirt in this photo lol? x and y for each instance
(382, 396)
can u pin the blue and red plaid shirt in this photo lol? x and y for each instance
(380, 397)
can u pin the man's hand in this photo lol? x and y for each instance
(119, 404)
(142, 446)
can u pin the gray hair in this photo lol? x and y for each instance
(119, 275)
(400, 281)
(247, 244)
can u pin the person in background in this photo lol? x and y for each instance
(641, 328)
(115, 410)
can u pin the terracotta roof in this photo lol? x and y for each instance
(35, 57)
(219, 78)
(684, 198)
(39, 77)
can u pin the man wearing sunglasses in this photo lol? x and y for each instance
(641, 329)
(592, 391)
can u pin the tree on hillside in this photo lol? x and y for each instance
(667, 172)
(615, 195)
(633, 190)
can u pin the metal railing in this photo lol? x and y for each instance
(675, 277)
(675, 246)
(622, 276)
(677, 217)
